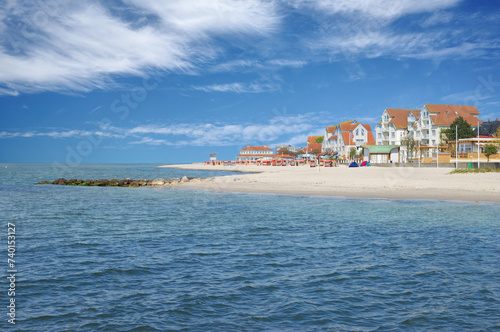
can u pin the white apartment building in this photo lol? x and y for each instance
(346, 135)
(427, 127)
(394, 125)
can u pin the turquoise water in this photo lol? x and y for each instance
(151, 259)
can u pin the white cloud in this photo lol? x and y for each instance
(385, 9)
(80, 47)
(280, 127)
(253, 87)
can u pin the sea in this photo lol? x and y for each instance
(168, 259)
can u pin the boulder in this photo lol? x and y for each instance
(60, 181)
(158, 182)
(184, 179)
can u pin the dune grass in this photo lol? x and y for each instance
(477, 170)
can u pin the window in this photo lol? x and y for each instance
(433, 132)
(357, 132)
(363, 132)
(379, 135)
(392, 143)
(393, 135)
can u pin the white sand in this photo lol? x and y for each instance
(376, 182)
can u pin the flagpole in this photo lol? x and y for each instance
(478, 145)
(456, 146)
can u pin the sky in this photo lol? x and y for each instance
(146, 81)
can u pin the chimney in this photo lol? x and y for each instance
(496, 119)
(489, 120)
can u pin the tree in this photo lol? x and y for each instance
(464, 130)
(319, 139)
(460, 127)
(409, 144)
(352, 152)
(497, 133)
(489, 150)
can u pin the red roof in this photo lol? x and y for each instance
(331, 129)
(254, 155)
(446, 114)
(348, 125)
(313, 146)
(367, 127)
(256, 148)
(371, 139)
(399, 117)
(312, 139)
(334, 137)
(345, 137)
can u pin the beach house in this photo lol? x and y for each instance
(250, 153)
(346, 135)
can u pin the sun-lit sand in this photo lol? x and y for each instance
(376, 182)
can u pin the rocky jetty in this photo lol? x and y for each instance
(121, 183)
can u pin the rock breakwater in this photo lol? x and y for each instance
(123, 182)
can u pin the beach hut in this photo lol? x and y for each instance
(300, 162)
(328, 163)
(312, 163)
(353, 164)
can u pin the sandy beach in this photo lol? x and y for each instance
(366, 182)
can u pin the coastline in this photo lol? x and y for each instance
(365, 182)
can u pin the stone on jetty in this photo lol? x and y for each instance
(120, 183)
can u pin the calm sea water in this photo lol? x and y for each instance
(150, 259)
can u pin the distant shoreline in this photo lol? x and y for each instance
(365, 182)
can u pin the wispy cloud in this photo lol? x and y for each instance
(63, 47)
(253, 87)
(60, 45)
(278, 128)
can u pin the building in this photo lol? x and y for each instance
(288, 147)
(255, 153)
(489, 128)
(426, 128)
(312, 149)
(346, 135)
(469, 145)
(377, 154)
(394, 125)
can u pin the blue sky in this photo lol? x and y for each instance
(172, 81)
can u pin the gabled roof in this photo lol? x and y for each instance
(399, 116)
(446, 114)
(331, 129)
(345, 137)
(348, 125)
(313, 146)
(488, 128)
(371, 139)
(333, 137)
(312, 139)
(256, 148)
(367, 127)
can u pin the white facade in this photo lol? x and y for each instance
(424, 129)
(345, 136)
(255, 153)
(393, 127)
